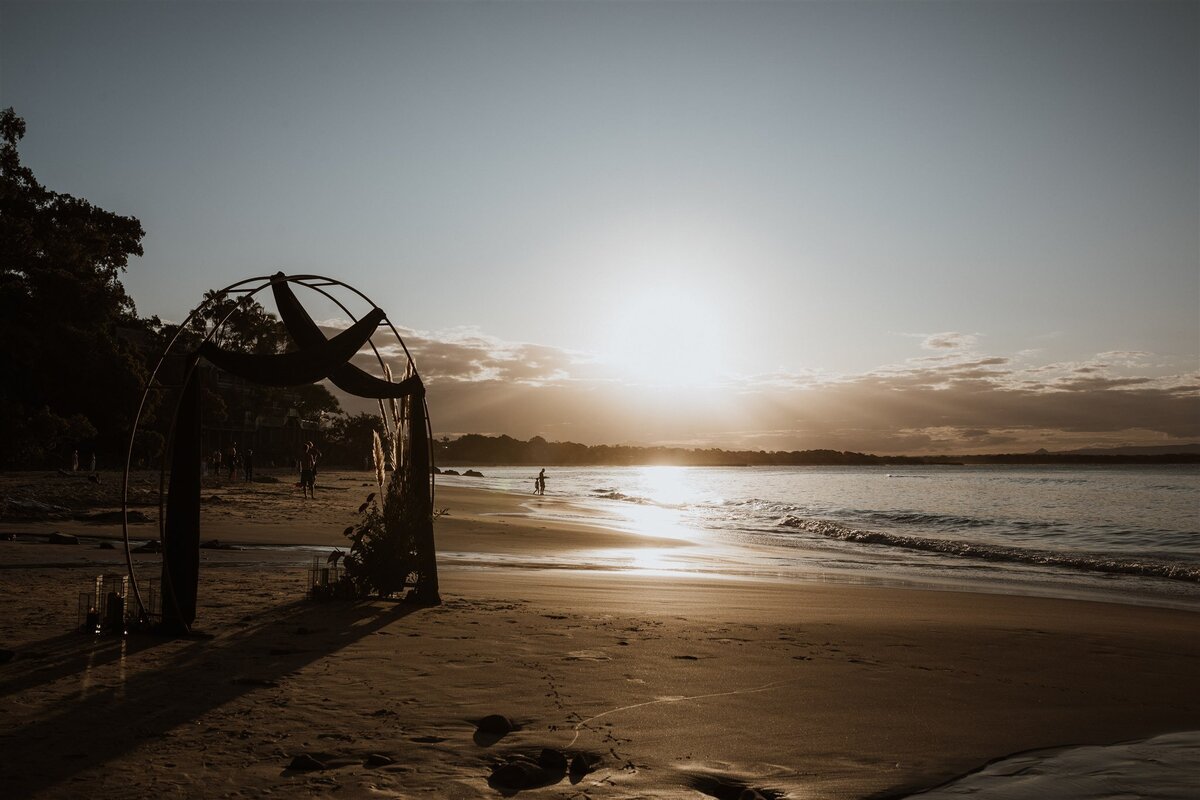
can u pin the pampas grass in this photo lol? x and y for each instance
(377, 452)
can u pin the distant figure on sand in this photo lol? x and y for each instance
(233, 460)
(248, 465)
(308, 469)
(92, 463)
(539, 485)
(75, 461)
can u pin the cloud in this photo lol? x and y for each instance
(959, 401)
(949, 340)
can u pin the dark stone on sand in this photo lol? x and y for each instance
(449, 472)
(583, 763)
(472, 474)
(519, 772)
(305, 763)
(106, 546)
(152, 546)
(724, 787)
(378, 760)
(266, 479)
(62, 538)
(552, 760)
(497, 724)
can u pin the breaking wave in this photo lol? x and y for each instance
(1079, 561)
(612, 494)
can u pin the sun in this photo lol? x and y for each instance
(668, 337)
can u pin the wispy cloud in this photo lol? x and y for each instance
(949, 340)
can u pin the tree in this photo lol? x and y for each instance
(61, 304)
(348, 439)
(248, 328)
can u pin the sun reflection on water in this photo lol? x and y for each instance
(670, 486)
(663, 494)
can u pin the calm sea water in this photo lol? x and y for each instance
(1132, 532)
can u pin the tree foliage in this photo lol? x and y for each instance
(348, 438)
(69, 380)
(247, 328)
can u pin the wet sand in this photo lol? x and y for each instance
(679, 685)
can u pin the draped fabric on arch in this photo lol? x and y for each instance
(181, 522)
(316, 359)
(346, 376)
(307, 365)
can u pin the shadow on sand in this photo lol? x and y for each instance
(109, 714)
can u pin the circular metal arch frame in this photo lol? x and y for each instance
(247, 288)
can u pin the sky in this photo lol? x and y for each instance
(919, 227)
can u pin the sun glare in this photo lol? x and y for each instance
(668, 337)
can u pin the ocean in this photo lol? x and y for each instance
(1124, 533)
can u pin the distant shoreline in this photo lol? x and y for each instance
(846, 460)
(475, 449)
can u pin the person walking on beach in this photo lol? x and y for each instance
(75, 461)
(540, 483)
(248, 466)
(308, 470)
(233, 459)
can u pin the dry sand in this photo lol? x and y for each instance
(680, 686)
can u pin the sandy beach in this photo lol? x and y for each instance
(668, 684)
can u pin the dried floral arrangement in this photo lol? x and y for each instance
(391, 544)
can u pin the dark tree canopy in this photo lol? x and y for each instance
(248, 328)
(348, 439)
(69, 378)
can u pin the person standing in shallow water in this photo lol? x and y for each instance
(540, 484)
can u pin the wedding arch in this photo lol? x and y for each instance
(313, 357)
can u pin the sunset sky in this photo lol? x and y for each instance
(892, 227)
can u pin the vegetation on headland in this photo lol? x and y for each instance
(477, 450)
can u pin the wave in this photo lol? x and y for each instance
(930, 519)
(925, 519)
(621, 497)
(1080, 561)
(612, 494)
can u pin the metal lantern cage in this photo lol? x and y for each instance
(243, 290)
